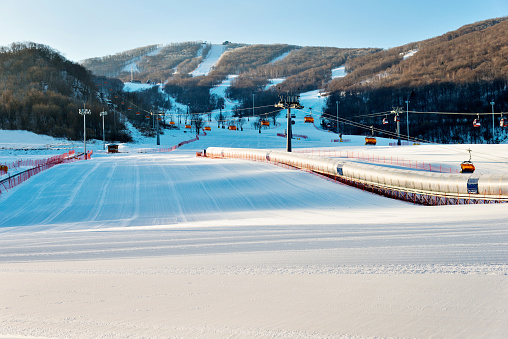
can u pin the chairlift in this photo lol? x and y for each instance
(396, 118)
(308, 119)
(385, 120)
(370, 141)
(207, 128)
(138, 113)
(188, 126)
(467, 166)
(265, 123)
(232, 128)
(503, 122)
(476, 122)
(171, 122)
(147, 116)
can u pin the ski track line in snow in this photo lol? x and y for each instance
(243, 196)
(40, 185)
(99, 206)
(206, 190)
(176, 198)
(133, 168)
(73, 194)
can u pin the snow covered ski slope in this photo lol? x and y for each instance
(210, 60)
(173, 245)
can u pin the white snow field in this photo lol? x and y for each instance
(339, 72)
(209, 61)
(160, 245)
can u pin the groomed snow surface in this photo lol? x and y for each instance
(171, 245)
(209, 61)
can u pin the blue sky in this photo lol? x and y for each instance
(83, 29)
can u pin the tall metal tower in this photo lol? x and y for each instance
(288, 103)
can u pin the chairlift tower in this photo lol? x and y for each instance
(288, 103)
(396, 111)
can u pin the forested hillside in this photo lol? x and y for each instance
(477, 52)
(41, 91)
(150, 63)
(305, 68)
(458, 72)
(117, 65)
(461, 71)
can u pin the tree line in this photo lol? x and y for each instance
(41, 91)
(471, 98)
(460, 71)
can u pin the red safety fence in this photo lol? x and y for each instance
(169, 149)
(37, 166)
(381, 159)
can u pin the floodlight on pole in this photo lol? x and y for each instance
(103, 113)
(84, 112)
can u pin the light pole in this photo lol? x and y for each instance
(84, 112)
(492, 104)
(158, 135)
(252, 106)
(407, 118)
(103, 113)
(337, 121)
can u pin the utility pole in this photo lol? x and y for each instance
(407, 118)
(492, 104)
(288, 103)
(84, 112)
(103, 113)
(158, 135)
(252, 106)
(337, 121)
